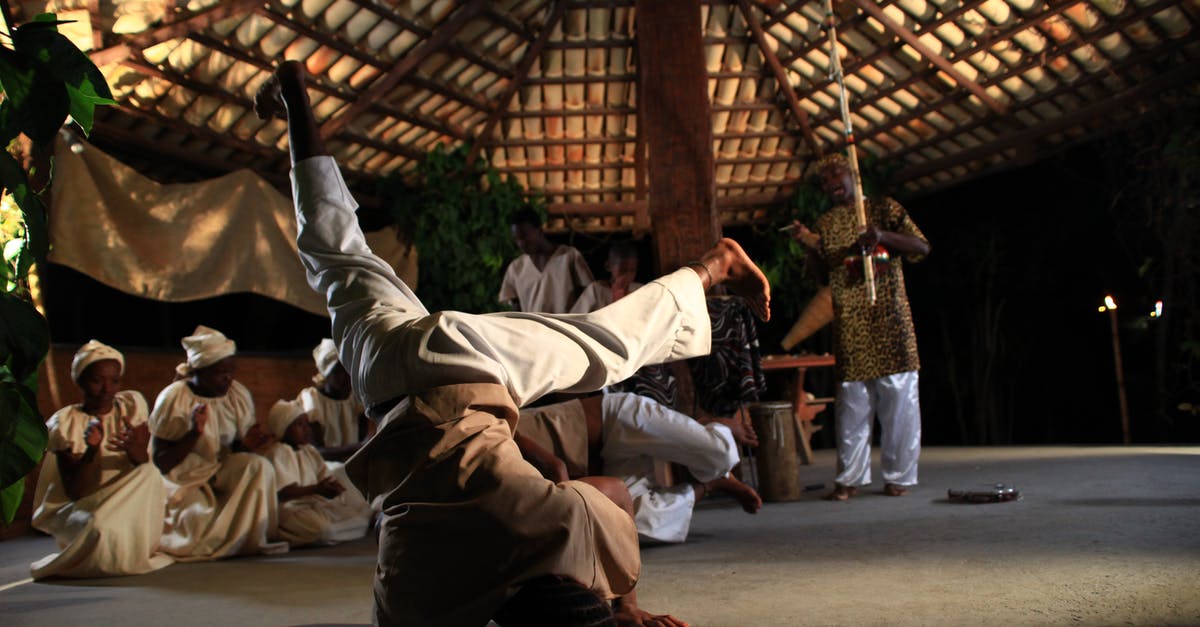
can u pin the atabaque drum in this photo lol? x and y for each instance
(778, 465)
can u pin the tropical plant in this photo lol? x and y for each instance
(45, 79)
(458, 212)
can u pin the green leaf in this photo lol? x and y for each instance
(82, 85)
(13, 178)
(24, 336)
(10, 500)
(23, 440)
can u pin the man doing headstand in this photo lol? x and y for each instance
(467, 522)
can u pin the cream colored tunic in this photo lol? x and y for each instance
(466, 519)
(338, 418)
(598, 294)
(115, 528)
(314, 519)
(220, 503)
(553, 289)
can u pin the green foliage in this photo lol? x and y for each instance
(45, 78)
(458, 215)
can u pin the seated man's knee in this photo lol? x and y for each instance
(614, 489)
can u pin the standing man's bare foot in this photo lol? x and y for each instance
(750, 500)
(727, 264)
(894, 489)
(841, 493)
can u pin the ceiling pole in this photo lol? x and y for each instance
(781, 78)
(676, 122)
(405, 66)
(532, 53)
(871, 8)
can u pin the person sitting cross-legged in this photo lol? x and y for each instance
(96, 493)
(314, 506)
(622, 435)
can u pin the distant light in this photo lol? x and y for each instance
(1102, 309)
(1158, 307)
(1109, 302)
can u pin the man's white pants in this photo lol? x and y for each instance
(895, 400)
(639, 430)
(392, 346)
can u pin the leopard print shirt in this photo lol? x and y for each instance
(870, 341)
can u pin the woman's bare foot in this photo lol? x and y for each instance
(750, 500)
(894, 489)
(841, 493)
(727, 264)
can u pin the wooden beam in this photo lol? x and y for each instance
(677, 125)
(871, 8)
(532, 53)
(380, 87)
(781, 78)
(1182, 75)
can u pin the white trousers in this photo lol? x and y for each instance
(639, 430)
(392, 346)
(896, 401)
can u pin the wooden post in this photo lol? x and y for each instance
(676, 124)
(1120, 368)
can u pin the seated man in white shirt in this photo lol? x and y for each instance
(548, 277)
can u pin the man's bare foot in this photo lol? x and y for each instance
(841, 493)
(727, 264)
(894, 489)
(740, 427)
(750, 500)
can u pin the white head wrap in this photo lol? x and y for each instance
(91, 353)
(282, 415)
(326, 357)
(204, 347)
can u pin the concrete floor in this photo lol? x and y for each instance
(1102, 536)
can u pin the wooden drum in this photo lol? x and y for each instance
(778, 466)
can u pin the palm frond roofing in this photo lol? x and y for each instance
(547, 91)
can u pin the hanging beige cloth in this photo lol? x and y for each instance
(185, 241)
(219, 503)
(115, 528)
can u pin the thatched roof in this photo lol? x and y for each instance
(547, 90)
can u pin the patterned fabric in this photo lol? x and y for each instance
(726, 378)
(870, 341)
(655, 382)
(731, 374)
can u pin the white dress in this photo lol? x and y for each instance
(114, 529)
(338, 418)
(314, 519)
(219, 503)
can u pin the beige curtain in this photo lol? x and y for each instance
(188, 241)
